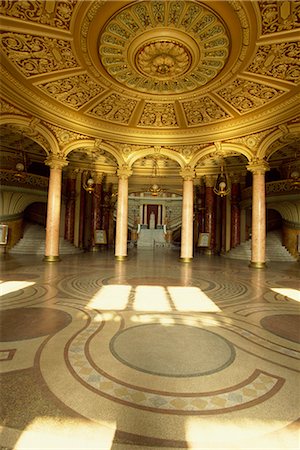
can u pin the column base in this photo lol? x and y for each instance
(208, 252)
(120, 258)
(185, 259)
(257, 265)
(95, 249)
(51, 259)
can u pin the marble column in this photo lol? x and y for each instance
(96, 208)
(122, 214)
(235, 214)
(70, 206)
(186, 252)
(210, 213)
(258, 240)
(56, 165)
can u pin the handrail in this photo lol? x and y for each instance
(29, 180)
(273, 188)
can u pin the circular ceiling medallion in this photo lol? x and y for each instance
(163, 47)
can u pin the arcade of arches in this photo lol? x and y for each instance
(118, 120)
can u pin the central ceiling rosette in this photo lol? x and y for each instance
(163, 47)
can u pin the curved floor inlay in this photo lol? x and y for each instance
(283, 325)
(174, 350)
(27, 323)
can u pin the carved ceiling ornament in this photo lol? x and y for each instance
(65, 136)
(203, 110)
(35, 55)
(164, 47)
(8, 108)
(115, 107)
(55, 14)
(279, 16)
(158, 115)
(280, 61)
(74, 91)
(245, 95)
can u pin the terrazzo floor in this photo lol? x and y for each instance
(149, 353)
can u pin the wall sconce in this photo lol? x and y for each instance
(221, 187)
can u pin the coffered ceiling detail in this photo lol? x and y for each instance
(152, 70)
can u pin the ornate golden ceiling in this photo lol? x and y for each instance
(153, 71)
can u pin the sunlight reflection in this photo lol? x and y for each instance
(151, 298)
(230, 435)
(6, 287)
(294, 294)
(114, 296)
(47, 433)
(191, 299)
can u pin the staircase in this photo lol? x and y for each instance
(33, 242)
(151, 238)
(275, 251)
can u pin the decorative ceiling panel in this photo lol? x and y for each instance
(158, 115)
(203, 111)
(74, 91)
(54, 14)
(244, 95)
(279, 16)
(36, 55)
(280, 61)
(115, 107)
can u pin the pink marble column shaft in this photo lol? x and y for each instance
(258, 240)
(122, 214)
(53, 208)
(186, 251)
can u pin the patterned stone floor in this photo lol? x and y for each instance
(149, 353)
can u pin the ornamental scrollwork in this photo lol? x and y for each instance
(7, 108)
(278, 61)
(158, 115)
(203, 110)
(74, 91)
(55, 14)
(115, 107)
(35, 55)
(279, 16)
(8, 176)
(65, 136)
(246, 95)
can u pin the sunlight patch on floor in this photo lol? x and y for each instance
(6, 287)
(293, 294)
(112, 297)
(242, 433)
(46, 433)
(151, 298)
(191, 299)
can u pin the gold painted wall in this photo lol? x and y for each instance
(15, 231)
(290, 239)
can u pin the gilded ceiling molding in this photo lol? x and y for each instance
(64, 136)
(94, 147)
(8, 108)
(143, 152)
(54, 14)
(221, 150)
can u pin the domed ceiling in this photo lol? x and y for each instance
(153, 71)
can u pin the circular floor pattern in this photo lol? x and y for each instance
(283, 325)
(172, 351)
(27, 323)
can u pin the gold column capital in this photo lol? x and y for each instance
(56, 162)
(187, 173)
(124, 172)
(258, 166)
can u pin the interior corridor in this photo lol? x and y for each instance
(148, 353)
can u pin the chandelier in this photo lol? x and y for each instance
(154, 188)
(21, 165)
(89, 183)
(221, 187)
(294, 172)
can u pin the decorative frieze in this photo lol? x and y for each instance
(74, 91)
(65, 136)
(8, 108)
(35, 55)
(244, 95)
